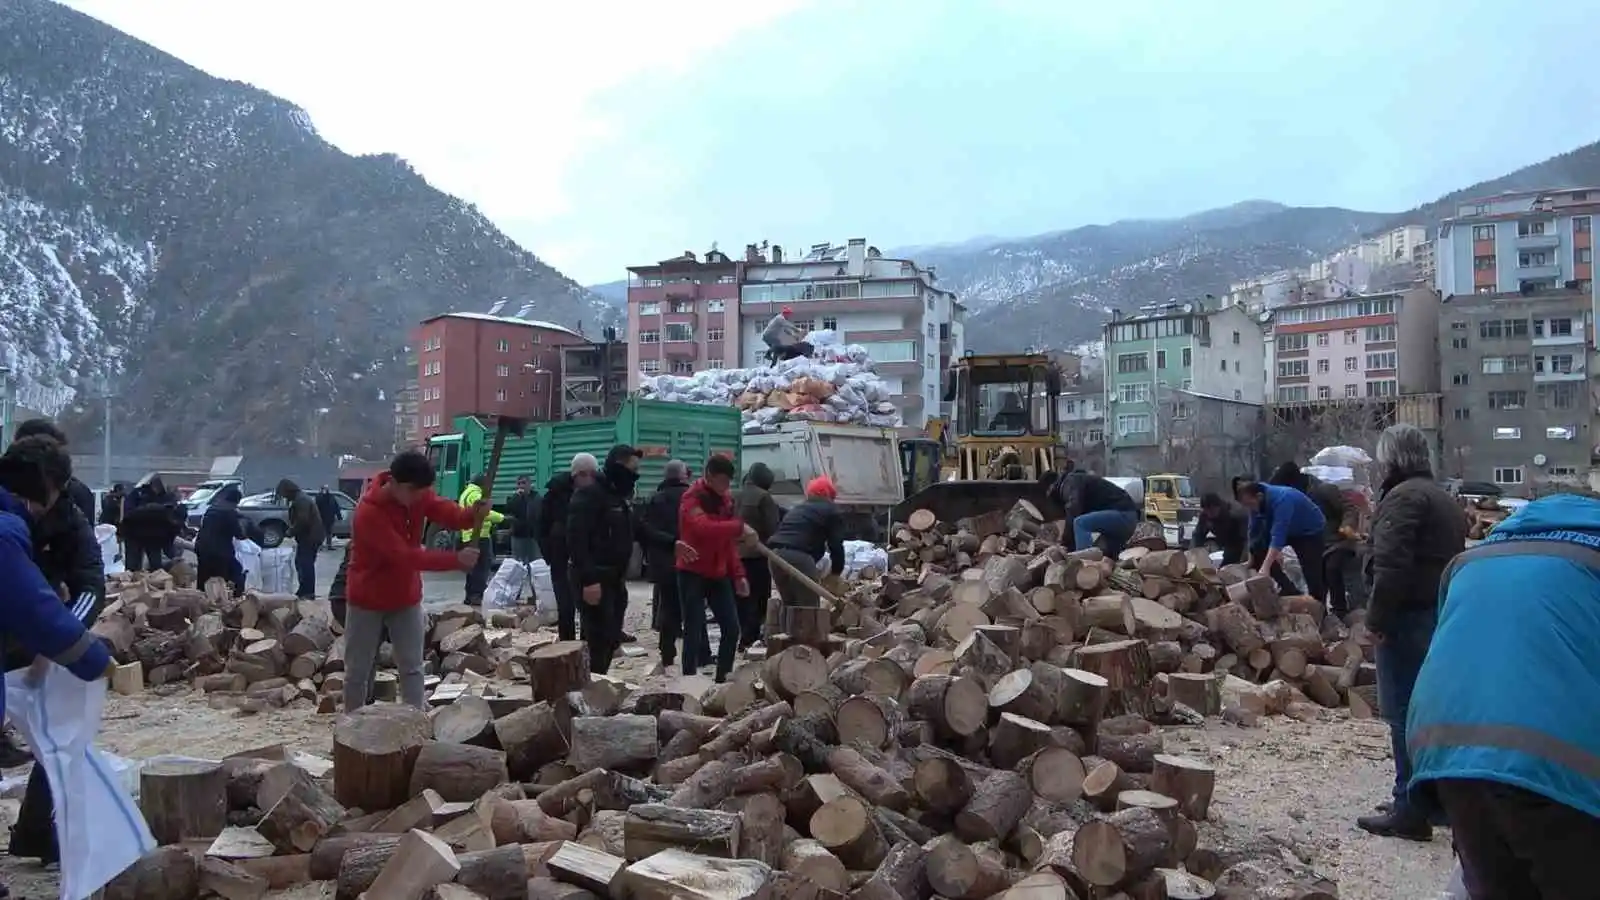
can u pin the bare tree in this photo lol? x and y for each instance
(1298, 430)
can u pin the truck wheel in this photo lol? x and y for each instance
(272, 534)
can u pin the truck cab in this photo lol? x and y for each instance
(1170, 500)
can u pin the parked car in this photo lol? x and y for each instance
(197, 502)
(270, 514)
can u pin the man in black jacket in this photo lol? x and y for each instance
(81, 496)
(213, 545)
(658, 531)
(1227, 522)
(552, 532)
(809, 529)
(600, 535)
(523, 509)
(150, 523)
(305, 526)
(1095, 506)
(328, 511)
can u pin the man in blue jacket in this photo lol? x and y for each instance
(1284, 517)
(1502, 724)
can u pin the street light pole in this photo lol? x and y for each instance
(5, 406)
(105, 451)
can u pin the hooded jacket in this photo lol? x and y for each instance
(305, 523)
(31, 612)
(552, 528)
(710, 523)
(813, 527)
(386, 555)
(1082, 492)
(152, 516)
(220, 526)
(469, 497)
(1507, 689)
(658, 527)
(523, 508)
(757, 508)
(600, 525)
(1285, 514)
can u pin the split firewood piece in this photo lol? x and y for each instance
(626, 743)
(1039, 886)
(301, 817)
(957, 871)
(165, 873)
(679, 875)
(1188, 781)
(817, 864)
(653, 827)
(979, 658)
(559, 669)
(228, 881)
(1200, 692)
(466, 720)
(183, 799)
(419, 863)
(588, 868)
(1180, 885)
(532, 737)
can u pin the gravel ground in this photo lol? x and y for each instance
(1301, 785)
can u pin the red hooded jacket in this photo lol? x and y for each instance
(710, 523)
(387, 558)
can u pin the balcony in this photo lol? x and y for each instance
(1538, 271)
(680, 350)
(906, 402)
(1538, 241)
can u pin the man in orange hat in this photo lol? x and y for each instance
(784, 339)
(808, 530)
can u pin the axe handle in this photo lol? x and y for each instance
(773, 557)
(494, 462)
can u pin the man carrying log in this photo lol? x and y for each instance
(1094, 506)
(1225, 521)
(384, 581)
(1501, 724)
(1284, 517)
(808, 530)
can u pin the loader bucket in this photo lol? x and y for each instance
(952, 500)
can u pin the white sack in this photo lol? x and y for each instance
(1349, 457)
(858, 555)
(248, 553)
(544, 591)
(110, 549)
(505, 586)
(98, 825)
(277, 570)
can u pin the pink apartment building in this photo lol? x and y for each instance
(1369, 346)
(683, 316)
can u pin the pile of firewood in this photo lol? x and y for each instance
(270, 650)
(1218, 641)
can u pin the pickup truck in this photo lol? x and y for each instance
(271, 515)
(864, 463)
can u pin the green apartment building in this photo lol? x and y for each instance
(1165, 368)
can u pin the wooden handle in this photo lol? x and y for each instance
(773, 557)
(494, 463)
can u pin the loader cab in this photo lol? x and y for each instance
(920, 461)
(1007, 423)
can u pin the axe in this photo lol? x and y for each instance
(503, 426)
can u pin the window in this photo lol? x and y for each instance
(503, 371)
(649, 309)
(1294, 368)
(1322, 367)
(1188, 357)
(1560, 433)
(1096, 436)
(1322, 339)
(1350, 390)
(649, 366)
(1532, 258)
(653, 282)
(716, 305)
(1134, 393)
(1222, 364)
(1528, 228)
(1294, 394)
(1351, 364)
(683, 306)
(1505, 365)
(1508, 475)
(1507, 433)
(500, 395)
(1483, 263)
(1236, 337)
(1489, 330)
(1350, 336)
(1458, 326)
(1508, 399)
(1380, 360)
(1563, 471)
(1181, 410)
(503, 346)
(715, 334)
(682, 367)
(1161, 359)
(1583, 255)
(1558, 396)
(1580, 224)
(1324, 392)
(1388, 388)
(1188, 384)
(1554, 364)
(1463, 414)
(1458, 343)
(432, 368)
(1133, 362)
(831, 323)
(1380, 333)
(806, 325)
(1138, 423)
(1289, 343)
(891, 351)
(678, 332)
(1552, 328)
(650, 337)
(1483, 232)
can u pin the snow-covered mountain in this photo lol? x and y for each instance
(194, 245)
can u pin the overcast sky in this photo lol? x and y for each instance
(604, 134)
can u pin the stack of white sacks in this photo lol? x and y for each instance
(837, 384)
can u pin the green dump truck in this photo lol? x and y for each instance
(661, 431)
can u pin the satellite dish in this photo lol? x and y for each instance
(1188, 307)
(1539, 459)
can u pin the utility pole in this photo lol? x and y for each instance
(6, 383)
(106, 395)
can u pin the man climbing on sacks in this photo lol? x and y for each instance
(784, 339)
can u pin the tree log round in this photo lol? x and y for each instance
(374, 750)
(458, 772)
(997, 805)
(1122, 847)
(183, 798)
(1188, 781)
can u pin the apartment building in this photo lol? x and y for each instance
(892, 307)
(1517, 408)
(1519, 243)
(1372, 346)
(407, 431)
(1154, 358)
(682, 315)
(594, 377)
(486, 363)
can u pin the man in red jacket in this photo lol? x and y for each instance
(383, 586)
(709, 572)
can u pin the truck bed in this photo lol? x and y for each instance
(863, 462)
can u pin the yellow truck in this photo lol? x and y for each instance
(1167, 499)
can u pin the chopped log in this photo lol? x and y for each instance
(1171, 564)
(796, 670)
(845, 826)
(941, 784)
(653, 827)
(677, 875)
(531, 737)
(808, 625)
(1103, 781)
(761, 825)
(1134, 753)
(1014, 738)
(165, 873)
(419, 863)
(979, 658)
(297, 821)
(706, 787)
(228, 881)
(1201, 693)
(588, 868)
(459, 772)
(737, 733)
(559, 669)
(1177, 884)
(1113, 612)
(956, 706)
(1122, 847)
(903, 875)
(1054, 773)
(310, 634)
(728, 698)
(778, 772)
(183, 799)
(867, 719)
(329, 852)
(997, 805)
(1188, 781)
(467, 720)
(1125, 666)
(921, 520)
(500, 873)
(541, 888)
(374, 751)
(954, 870)
(519, 821)
(626, 743)
(816, 863)
(857, 773)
